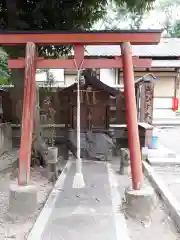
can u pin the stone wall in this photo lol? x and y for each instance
(60, 133)
(5, 137)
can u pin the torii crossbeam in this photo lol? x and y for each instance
(79, 40)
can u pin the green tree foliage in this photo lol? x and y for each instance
(174, 30)
(4, 72)
(169, 9)
(67, 15)
(164, 11)
(119, 17)
(166, 7)
(3, 64)
(57, 15)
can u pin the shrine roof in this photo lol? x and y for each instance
(167, 47)
(94, 81)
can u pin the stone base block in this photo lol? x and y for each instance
(124, 170)
(22, 201)
(140, 203)
(53, 171)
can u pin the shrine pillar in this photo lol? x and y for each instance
(23, 197)
(140, 199)
(146, 99)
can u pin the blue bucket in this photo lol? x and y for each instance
(154, 143)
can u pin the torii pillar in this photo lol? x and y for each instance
(139, 199)
(131, 116)
(23, 197)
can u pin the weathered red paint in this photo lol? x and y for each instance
(88, 63)
(80, 39)
(175, 104)
(27, 116)
(131, 117)
(79, 56)
(84, 38)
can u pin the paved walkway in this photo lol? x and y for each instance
(170, 138)
(83, 214)
(167, 170)
(170, 175)
(164, 163)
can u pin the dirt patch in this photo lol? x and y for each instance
(19, 229)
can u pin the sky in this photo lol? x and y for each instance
(156, 17)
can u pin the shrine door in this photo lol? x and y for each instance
(97, 116)
(92, 117)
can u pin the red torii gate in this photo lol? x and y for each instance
(79, 40)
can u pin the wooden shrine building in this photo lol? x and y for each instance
(95, 103)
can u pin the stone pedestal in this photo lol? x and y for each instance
(52, 163)
(124, 162)
(22, 201)
(144, 152)
(52, 155)
(140, 203)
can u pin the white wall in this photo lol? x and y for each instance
(164, 87)
(62, 79)
(163, 108)
(70, 79)
(58, 75)
(108, 76)
(163, 94)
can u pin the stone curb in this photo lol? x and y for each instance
(163, 161)
(161, 153)
(41, 221)
(172, 205)
(166, 123)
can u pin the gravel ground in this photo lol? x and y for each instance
(19, 230)
(158, 226)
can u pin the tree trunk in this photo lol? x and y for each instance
(12, 14)
(39, 144)
(17, 96)
(18, 92)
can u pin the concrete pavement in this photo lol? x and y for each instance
(89, 213)
(166, 122)
(168, 152)
(164, 173)
(170, 138)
